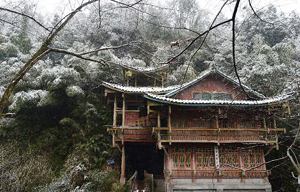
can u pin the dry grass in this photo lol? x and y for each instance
(22, 171)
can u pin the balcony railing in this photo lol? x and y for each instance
(196, 135)
(221, 135)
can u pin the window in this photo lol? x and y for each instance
(222, 96)
(228, 156)
(205, 96)
(252, 157)
(216, 96)
(205, 157)
(182, 157)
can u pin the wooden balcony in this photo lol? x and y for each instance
(132, 134)
(195, 135)
(221, 135)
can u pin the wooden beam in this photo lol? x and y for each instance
(115, 112)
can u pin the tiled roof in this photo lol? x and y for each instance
(146, 69)
(130, 89)
(186, 102)
(205, 74)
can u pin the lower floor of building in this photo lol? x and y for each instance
(196, 167)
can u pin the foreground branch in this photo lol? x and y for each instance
(25, 15)
(40, 53)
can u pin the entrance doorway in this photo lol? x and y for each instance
(142, 157)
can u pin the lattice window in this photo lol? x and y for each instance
(252, 161)
(175, 160)
(229, 156)
(258, 159)
(222, 160)
(205, 157)
(246, 164)
(252, 157)
(235, 160)
(182, 157)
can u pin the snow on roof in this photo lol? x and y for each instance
(262, 102)
(205, 74)
(146, 69)
(130, 89)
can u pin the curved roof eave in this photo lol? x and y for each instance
(240, 103)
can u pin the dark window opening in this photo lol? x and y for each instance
(216, 96)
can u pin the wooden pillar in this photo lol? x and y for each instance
(158, 125)
(135, 82)
(217, 125)
(154, 82)
(241, 164)
(170, 124)
(194, 165)
(167, 166)
(123, 179)
(123, 110)
(158, 119)
(115, 112)
(265, 127)
(275, 127)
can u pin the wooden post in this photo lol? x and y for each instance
(154, 82)
(217, 124)
(158, 119)
(115, 112)
(194, 165)
(114, 139)
(135, 82)
(275, 127)
(170, 124)
(123, 179)
(274, 121)
(123, 110)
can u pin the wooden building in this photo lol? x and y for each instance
(205, 135)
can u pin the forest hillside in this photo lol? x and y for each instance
(52, 131)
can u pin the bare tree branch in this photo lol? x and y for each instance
(233, 47)
(250, 4)
(201, 44)
(25, 15)
(40, 53)
(296, 166)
